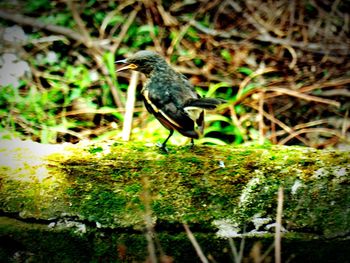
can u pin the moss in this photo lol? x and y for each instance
(108, 185)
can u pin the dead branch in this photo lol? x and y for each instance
(29, 21)
(313, 47)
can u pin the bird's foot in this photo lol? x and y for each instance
(162, 147)
(192, 143)
(189, 146)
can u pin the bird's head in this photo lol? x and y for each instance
(144, 61)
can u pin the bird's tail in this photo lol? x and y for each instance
(204, 103)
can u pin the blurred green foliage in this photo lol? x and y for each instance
(74, 92)
(42, 109)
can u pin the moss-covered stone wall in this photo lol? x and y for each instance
(89, 192)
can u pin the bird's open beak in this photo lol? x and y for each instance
(128, 66)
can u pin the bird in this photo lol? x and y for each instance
(169, 95)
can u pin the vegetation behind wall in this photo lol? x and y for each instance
(282, 65)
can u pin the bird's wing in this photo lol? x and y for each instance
(167, 104)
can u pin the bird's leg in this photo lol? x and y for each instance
(163, 145)
(192, 143)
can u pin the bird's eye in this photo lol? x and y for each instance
(141, 63)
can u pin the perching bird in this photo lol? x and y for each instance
(169, 96)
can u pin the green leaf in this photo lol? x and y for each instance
(211, 140)
(245, 71)
(217, 117)
(75, 93)
(147, 29)
(33, 5)
(213, 87)
(109, 59)
(192, 34)
(226, 55)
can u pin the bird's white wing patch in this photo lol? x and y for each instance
(193, 112)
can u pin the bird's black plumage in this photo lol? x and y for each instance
(169, 96)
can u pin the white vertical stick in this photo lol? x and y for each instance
(278, 225)
(129, 106)
(195, 244)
